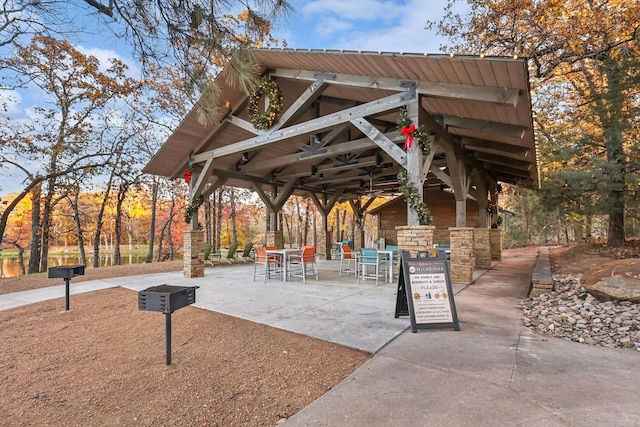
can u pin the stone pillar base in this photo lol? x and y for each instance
(324, 245)
(358, 238)
(193, 254)
(495, 238)
(481, 248)
(275, 238)
(462, 261)
(414, 238)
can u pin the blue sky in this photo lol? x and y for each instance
(387, 25)
(368, 25)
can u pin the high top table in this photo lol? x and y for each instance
(388, 257)
(284, 253)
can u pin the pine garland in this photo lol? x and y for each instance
(412, 196)
(192, 209)
(411, 193)
(406, 126)
(270, 89)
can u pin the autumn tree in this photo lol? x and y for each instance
(194, 37)
(589, 52)
(61, 137)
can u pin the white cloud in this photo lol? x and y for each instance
(104, 55)
(372, 25)
(353, 10)
(329, 27)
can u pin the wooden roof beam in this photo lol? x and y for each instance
(510, 131)
(311, 126)
(504, 161)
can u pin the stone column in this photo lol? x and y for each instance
(193, 253)
(461, 264)
(324, 249)
(495, 238)
(481, 248)
(275, 238)
(358, 238)
(414, 238)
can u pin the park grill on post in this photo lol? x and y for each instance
(166, 299)
(66, 272)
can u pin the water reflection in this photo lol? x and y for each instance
(9, 267)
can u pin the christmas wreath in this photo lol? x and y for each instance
(271, 91)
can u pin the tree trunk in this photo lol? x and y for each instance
(169, 228)
(20, 258)
(122, 193)
(47, 209)
(305, 228)
(34, 257)
(103, 205)
(207, 221)
(299, 239)
(160, 257)
(152, 227)
(615, 193)
(78, 223)
(234, 230)
(219, 221)
(214, 227)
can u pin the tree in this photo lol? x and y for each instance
(193, 37)
(591, 50)
(155, 188)
(60, 139)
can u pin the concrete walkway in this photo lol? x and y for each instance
(493, 372)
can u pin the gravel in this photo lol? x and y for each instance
(570, 312)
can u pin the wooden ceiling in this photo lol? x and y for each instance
(338, 134)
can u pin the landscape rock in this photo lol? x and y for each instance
(569, 312)
(619, 279)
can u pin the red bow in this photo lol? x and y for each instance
(408, 132)
(187, 176)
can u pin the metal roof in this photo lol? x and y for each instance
(481, 105)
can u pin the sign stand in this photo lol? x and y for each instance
(402, 308)
(425, 287)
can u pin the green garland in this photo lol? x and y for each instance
(412, 196)
(420, 135)
(270, 89)
(410, 192)
(192, 209)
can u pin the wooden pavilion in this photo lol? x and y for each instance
(336, 138)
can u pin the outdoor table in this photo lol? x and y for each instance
(388, 255)
(284, 253)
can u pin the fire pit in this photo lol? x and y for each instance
(166, 299)
(66, 272)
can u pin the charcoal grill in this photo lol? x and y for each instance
(66, 272)
(166, 299)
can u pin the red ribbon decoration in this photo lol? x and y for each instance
(187, 176)
(408, 132)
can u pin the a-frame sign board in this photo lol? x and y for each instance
(426, 287)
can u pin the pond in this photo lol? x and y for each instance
(9, 267)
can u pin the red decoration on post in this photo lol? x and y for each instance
(408, 132)
(187, 176)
